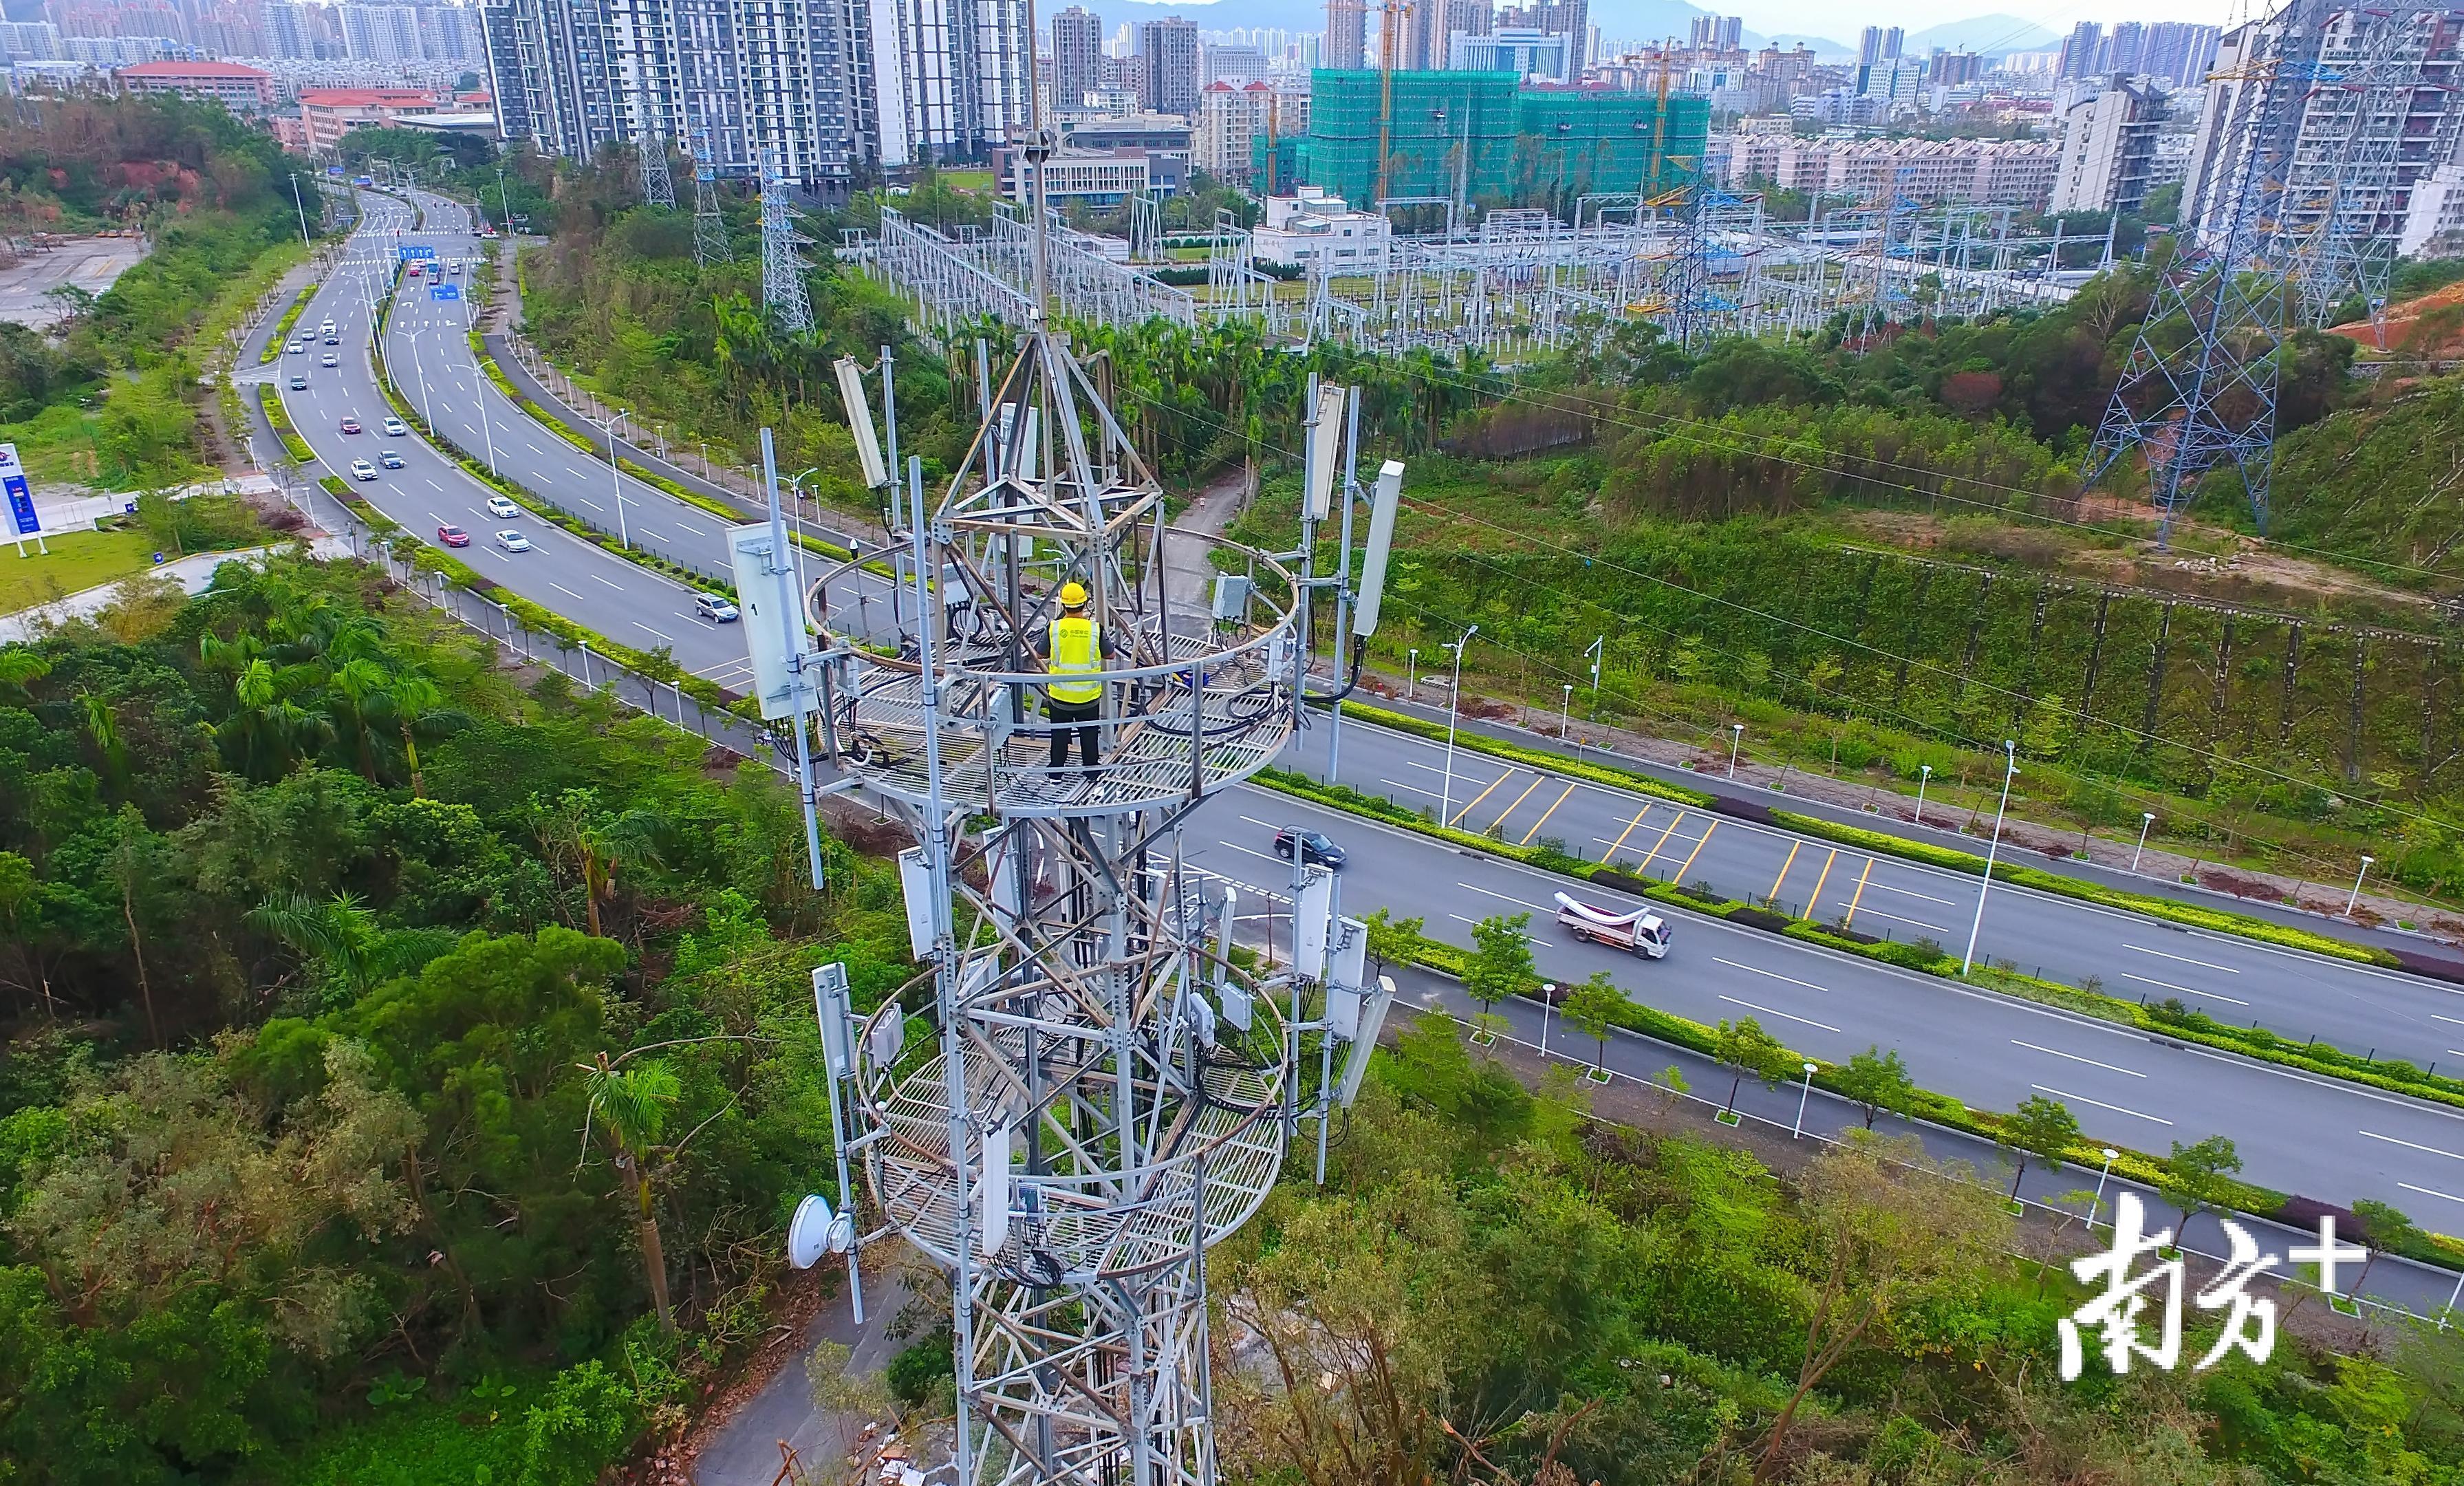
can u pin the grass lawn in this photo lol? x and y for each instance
(78, 560)
(968, 180)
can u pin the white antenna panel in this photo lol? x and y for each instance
(992, 1193)
(1029, 447)
(1350, 966)
(1312, 914)
(830, 1009)
(859, 414)
(1381, 539)
(1372, 1021)
(766, 597)
(915, 880)
(1343, 1011)
(1240, 1007)
(888, 1040)
(1325, 446)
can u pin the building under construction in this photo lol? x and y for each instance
(1481, 139)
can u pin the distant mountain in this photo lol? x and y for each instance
(1824, 47)
(1991, 36)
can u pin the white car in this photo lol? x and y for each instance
(361, 469)
(395, 428)
(325, 330)
(513, 541)
(330, 360)
(503, 509)
(298, 347)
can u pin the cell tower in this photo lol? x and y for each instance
(1099, 1092)
(782, 270)
(2188, 402)
(658, 190)
(710, 244)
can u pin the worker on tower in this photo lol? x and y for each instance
(1074, 649)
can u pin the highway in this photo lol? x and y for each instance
(2318, 1137)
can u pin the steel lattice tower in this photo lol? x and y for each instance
(783, 269)
(658, 188)
(2343, 188)
(2200, 385)
(710, 244)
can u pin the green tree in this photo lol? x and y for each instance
(631, 1105)
(1592, 1009)
(1394, 940)
(2198, 1178)
(1500, 964)
(1874, 1082)
(1743, 1047)
(338, 933)
(2043, 1128)
(2386, 1229)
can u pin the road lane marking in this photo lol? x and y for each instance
(1680, 875)
(695, 530)
(2184, 989)
(1773, 893)
(1663, 841)
(1503, 898)
(2099, 1103)
(1914, 923)
(1499, 824)
(2411, 1145)
(593, 504)
(1482, 795)
(1817, 900)
(1396, 784)
(2184, 959)
(639, 625)
(1544, 818)
(1255, 821)
(2112, 1068)
(1247, 852)
(1619, 843)
(567, 593)
(439, 489)
(1849, 920)
(1886, 887)
(611, 582)
(1789, 1015)
(2456, 1020)
(2427, 1191)
(1773, 974)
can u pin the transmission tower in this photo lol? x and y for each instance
(710, 244)
(2343, 187)
(2200, 385)
(782, 270)
(658, 190)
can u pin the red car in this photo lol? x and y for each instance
(453, 536)
(350, 425)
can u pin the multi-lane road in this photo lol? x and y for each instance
(2318, 1137)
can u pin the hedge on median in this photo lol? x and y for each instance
(279, 418)
(282, 328)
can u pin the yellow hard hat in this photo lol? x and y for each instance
(1072, 595)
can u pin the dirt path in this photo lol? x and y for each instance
(1187, 571)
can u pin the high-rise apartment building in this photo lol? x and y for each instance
(2083, 53)
(1347, 35)
(1235, 62)
(1230, 118)
(2109, 150)
(2179, 52)
(735, 82)
(1166, 76)
(1716, 33)
(1077, 56)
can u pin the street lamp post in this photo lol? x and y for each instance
(1597, 653)
(1802, 1095)
(2097, 1201)
(1547, 1003)
(1454, 710)
(2147, 819)
(301, 206)
(1925, 777)
(1411, 675)
(1566, 715)
(2010, 771)
(616, 478)
(2357, 885)
(1736, 740)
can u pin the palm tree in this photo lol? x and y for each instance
(20, 667)
(339, 931)
(595, 845)
(632, 1105)
(361, 683)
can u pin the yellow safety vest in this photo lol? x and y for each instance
(1075, 651)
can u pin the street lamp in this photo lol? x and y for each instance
(616, 478)
(2146, 818)
(1547, 1003)
(1802, 1095)
(2009, 772)
(2108, 1153)
(1925, 777)
(1566, 715)
(1736, 740)
(1597, 653)
(2357, 885)
(1411, 676)
(1453, 709)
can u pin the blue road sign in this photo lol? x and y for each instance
(445, 291)
(21, 497)
(413, 250)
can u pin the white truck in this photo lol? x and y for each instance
(1642, 930)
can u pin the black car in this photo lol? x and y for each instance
(1316, 846)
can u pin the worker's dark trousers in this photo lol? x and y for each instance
(1062, 713)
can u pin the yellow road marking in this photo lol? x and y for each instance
(1627, 831)
(1663, 841)
(1708, 829)
(1859, 895)
(1536, 781)
(1815, 901)
(1482, 795)
(1544, 818)
(1773, 893)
